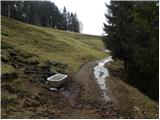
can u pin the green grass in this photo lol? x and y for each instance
(8, 99)
(23, 45)
(70, 48)
(6, 68)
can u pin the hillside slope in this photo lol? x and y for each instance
(44, 44)
(34, 48)
(29, 47)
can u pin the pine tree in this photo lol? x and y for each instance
(43, 13)
(133, 37)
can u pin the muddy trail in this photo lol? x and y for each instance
(109, 98)
(81, 97)
(86, 96)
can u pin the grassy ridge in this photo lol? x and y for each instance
(72, 49)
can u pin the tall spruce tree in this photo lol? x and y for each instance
(133, 37)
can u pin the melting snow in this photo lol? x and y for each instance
(101, 73)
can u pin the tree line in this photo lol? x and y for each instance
(133, 36)
(43, 13)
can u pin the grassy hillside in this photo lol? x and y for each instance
(25, 46)
(45, 44)
(29, 47)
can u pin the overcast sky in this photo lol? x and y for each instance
(89, 12)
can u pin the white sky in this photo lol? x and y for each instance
(89, 12)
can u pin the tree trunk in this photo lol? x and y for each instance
(9, 11)
(125, 66)
(51, 23)
(27, 15)
(35, 19)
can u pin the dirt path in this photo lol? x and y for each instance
(86, 97)
(89, 89)
(87, 100)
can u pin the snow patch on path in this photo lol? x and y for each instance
(101, 73)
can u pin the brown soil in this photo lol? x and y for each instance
(80, 98)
